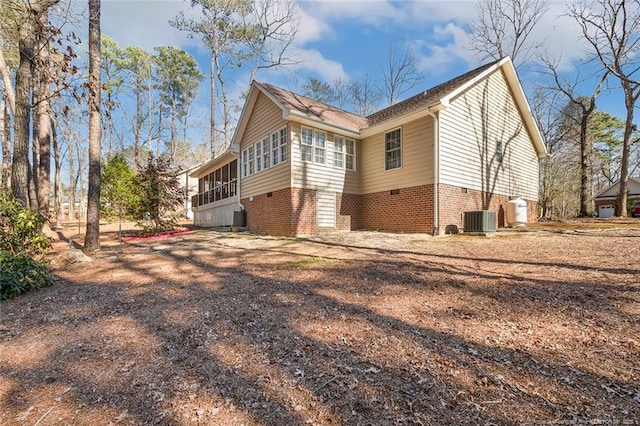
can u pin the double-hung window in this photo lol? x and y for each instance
(265, 153)
(344, 153)
(283, 145)
(252, 160)
(258, 157)
(245, 163)
(306, 139)
(313, 145)
(393, 149)
(275, 158)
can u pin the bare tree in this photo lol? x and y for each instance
(503, 28)
(30, 21)
(253, 34)
(584, 106)
(612, 29)
(92, 237)
(365, 95)
(342, 93)
(400, 72)
(274, 29)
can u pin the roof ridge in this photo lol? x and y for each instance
(310, 99)
(427, 94)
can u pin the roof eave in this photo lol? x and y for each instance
(330, 126)
(225, 157)
(404, 118)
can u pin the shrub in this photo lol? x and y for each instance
(162, 196)
(22, 246)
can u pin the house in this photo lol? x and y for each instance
(305, 167)
(605, 201)
(189, 186)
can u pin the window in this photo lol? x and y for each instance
(283, 144)
(252, 160)
(499, 152)
(245, 163)
(265, 153)
(220, 183)
(306, 140)
(275, 158)
(279, 146)
(314, 145)
(258, 157)
(343, 153)
(393, 149)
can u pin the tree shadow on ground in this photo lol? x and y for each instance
(247, 338)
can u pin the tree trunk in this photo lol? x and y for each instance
(173, 129)
(213, 105)
(586, 201)
(22, 116)
(630, 101)
(72, 182)
(138, 128)
(5, 128)
(92, 237)
(57, 181)
(44, 120)
(6, 82)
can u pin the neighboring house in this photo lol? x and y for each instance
(190, 187)
(305, 167)
(605, 201)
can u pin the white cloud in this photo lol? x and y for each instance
(314, 62)
(144, 23)
(376, 12)
(450, 44)
(311, 28)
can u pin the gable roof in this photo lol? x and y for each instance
(428, 97)
(633, 186)
(294, 104)
(320, 114)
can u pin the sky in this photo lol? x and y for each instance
(347, 39)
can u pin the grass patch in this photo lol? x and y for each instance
(307, 262)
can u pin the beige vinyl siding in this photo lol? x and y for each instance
(326, 209)
(321, 177)
(470, 128)
(265, 119)
(417, 159)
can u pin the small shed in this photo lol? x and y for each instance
(605, 201)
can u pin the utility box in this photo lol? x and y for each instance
(479, 222)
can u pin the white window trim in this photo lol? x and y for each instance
(384, 149)
(314, 145)
(345, 142)
(283, 144)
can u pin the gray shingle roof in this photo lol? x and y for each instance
(332, 115)
(428, 97)
(315, 109)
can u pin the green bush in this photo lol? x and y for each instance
(22, 246)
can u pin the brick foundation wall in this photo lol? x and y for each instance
(292, 212)
(269, 215)
(410, 210)
(349, 211)
(454, 202)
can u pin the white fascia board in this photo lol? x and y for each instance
(209, 166)
(322, 125)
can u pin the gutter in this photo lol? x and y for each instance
(436, 169)
(235, 148)
(434, 112)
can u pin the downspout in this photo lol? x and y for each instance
(436, 170)
(238, 167)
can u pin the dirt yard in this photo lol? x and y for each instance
(527, 327)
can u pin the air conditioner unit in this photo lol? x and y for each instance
(479, 222)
